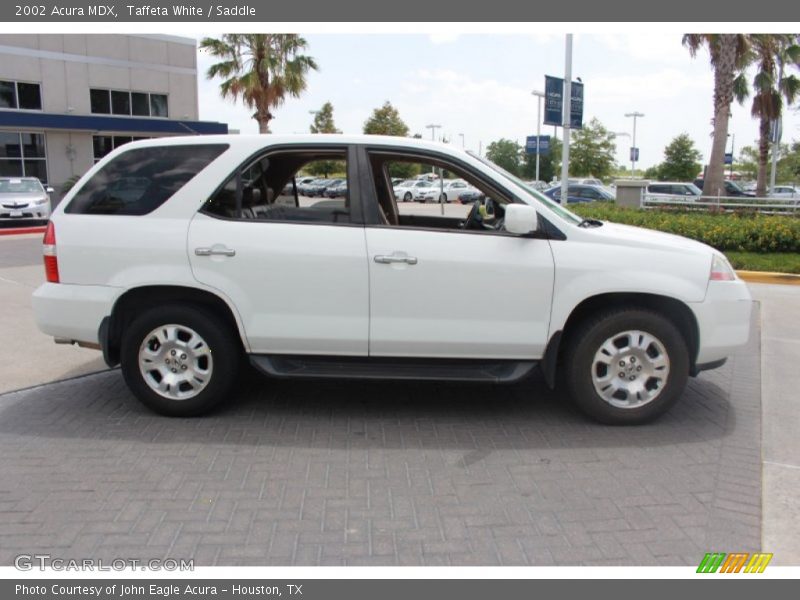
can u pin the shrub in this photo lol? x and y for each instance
(750, 232)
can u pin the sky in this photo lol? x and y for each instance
(480, 86)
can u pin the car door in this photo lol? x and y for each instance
(457, 294)
(298, 279)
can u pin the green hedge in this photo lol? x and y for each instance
(724, 231)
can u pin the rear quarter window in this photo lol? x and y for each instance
(140, 180)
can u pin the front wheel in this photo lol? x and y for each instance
(626, 367)
(180, 360)
(407, 197)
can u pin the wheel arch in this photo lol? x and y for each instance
(136, 300)
(675, 310)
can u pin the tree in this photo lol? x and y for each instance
(681, 160)
(323, 123)
(772, 54)
(747, 164)
(549, 164)
(323, 120)
(505, 154)
(261, 69)
(729, 55)
(386, 121)
(592, 150)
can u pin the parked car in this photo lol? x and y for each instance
(441, 191)
(674, 190)
(407, 190)
(305, 189)
(785, 191)
(732, 189)
(581, 193)
(24, 199)
(470, 196)
(203, 272)
(338, 190)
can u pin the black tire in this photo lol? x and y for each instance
(221, 339)
(585, 341)
(407, 197)
(443, 198)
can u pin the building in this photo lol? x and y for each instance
(68, 100)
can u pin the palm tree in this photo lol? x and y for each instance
(260, 68)
(772, 52)
(729, 54)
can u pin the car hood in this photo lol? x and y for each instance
(639, 237)
(21, 198)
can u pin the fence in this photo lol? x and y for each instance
(777, 206)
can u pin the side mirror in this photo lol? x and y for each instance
(49, 190)
(521, 219)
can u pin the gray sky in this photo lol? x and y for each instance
(480, 85)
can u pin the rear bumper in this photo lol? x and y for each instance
(73, 312)
(723, 320)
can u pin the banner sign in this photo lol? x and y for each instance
(554, 102)
(537, 146)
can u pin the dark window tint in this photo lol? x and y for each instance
(121, 140)
(102, 145)
(33, 145)
(10, 168)
(8, 95)
(100, 101)
(140, 105)
(140, 180)
(121, 103)
(30, 96)
(9, 145)
(36, 168)
(158, 105)
(659, 189)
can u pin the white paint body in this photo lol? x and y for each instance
(315, 289)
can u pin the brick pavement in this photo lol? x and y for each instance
(381, 474)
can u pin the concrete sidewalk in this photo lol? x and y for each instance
(780, 382)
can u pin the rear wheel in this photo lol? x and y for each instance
(627, 366)
(407, 197)
(180, 360)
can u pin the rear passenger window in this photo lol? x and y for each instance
(270, 189)
(140, 180)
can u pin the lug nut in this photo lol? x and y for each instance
(173, 353)
(633, 359)
(622, 375)
(176, 370)
(183, 367)
(632, 377)
(622, 363)
(639, 368)
(166, 361)
(183, 357)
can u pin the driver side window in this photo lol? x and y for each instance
(433, 194)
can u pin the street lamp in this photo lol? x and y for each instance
(539, 95)
(433, 129)
(635, 116)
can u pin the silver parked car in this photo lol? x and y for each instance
(24, 199)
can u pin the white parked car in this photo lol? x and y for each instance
(408, 190)
(785, 191)
(210, 265)
(673, 190)
(24, 199)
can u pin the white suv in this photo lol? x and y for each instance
(181, 257)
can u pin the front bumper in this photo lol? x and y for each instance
(723, 320)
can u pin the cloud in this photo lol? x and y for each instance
(657, 85)
(443, 38)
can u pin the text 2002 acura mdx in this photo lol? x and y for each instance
(178, 257)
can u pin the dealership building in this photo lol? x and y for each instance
(68, 100)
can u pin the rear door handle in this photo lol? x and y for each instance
(215, 251)
(389, 259)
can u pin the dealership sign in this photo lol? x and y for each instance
(554, 102)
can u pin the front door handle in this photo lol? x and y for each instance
(215, 251)
(395, 258)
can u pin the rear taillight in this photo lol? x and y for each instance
(721, 270)
(50, 257)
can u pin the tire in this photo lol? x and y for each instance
(215, 365)
(407, 197)
(443, 198)
(646, 371)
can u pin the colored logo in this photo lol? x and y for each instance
(736, 562)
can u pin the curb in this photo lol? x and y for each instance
(23, 230)
(769, 277)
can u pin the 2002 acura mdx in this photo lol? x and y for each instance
(178, 257)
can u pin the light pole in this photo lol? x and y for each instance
(566, 114)
(461, 135)
(539, 95)
(635, 116)
(733, 149)
(433, 129)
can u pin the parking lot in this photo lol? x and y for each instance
(355, 473)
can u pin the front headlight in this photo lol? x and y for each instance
(40, 201)
(721, 269)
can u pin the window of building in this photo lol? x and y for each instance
(22, 154)
(103, 144)
(120, 102)
(20, 95)
(138, 181)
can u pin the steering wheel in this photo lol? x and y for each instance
(474, 216)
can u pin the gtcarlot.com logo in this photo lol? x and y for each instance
(736, 562)
(28, 562)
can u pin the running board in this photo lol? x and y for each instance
(357, 367)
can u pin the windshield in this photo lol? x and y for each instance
(532, 192)
(20, 186)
